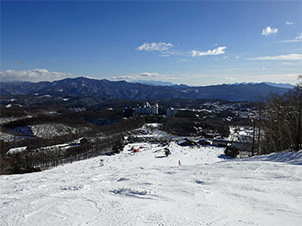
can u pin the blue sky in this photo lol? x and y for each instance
(193, 43)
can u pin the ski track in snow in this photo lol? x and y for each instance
(147, 188)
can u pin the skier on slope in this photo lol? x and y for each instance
(179, 163)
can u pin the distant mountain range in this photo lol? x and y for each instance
(161, 83)
(153, 83)
(280, 85)
(136, 91)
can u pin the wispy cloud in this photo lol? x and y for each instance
(217, 51)
(289, 23)
(34, 75)
(269, 31)
(183, 60)
(230, 78)
(143, 75)
(167, 49)
(147, 74)
(294, 56)
(124, 77)
(297, 39)
(160, 46)
(292, 63)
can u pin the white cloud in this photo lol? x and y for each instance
(269, 31)
(167, 49)
(294, 56)
(131, 77)
(147, 74)
(230, 78)
(183, 60)
(160, 46)
(292, 63)
(124, 77)
(35, 75)
(289, 23)
(297, 39)
(217, 51)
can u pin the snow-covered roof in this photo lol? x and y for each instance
(182, 141)
(16, 150)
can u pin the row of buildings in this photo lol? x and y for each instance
(148, 109)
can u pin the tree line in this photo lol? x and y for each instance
(278, 123)
(105, 140)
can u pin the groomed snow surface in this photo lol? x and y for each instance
(147, 188)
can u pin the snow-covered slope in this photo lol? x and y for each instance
(50, 130)
(146, 188)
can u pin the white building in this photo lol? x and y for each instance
(171, 112)
(147, 109)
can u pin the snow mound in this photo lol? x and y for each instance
(72, 188)
(294, 158)
(142, 194)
